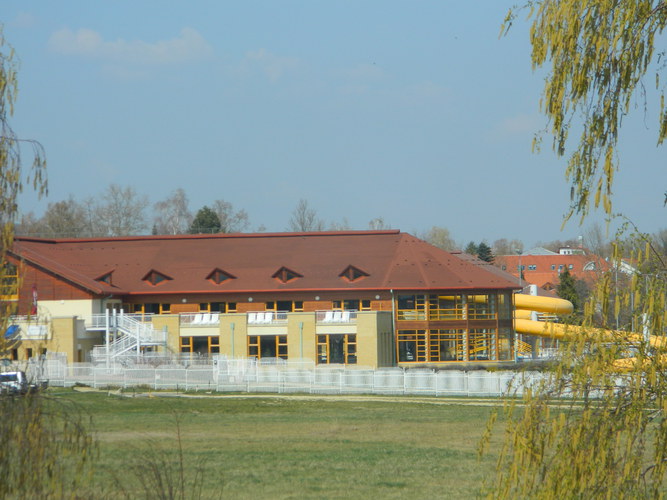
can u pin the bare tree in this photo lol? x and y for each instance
(304, 218)
(64, 219)
(122, 211)
(595, 239)
(29, 225)
(377, 224)
(440, 237)
(660, 239)
(173, 215)
(503, 246)
(343, 225)
(231, 221)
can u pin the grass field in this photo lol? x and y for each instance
(292, 446)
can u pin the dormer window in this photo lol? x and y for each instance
(286, 275)
(155, 277)
(218, 276)
(352, 274)
(105, 278)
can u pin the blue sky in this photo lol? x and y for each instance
(416, 112)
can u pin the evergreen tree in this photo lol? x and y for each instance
(484, 252)
(567, 289)
(471, 248)
(206, 221)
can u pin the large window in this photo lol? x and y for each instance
(200, 345)
(481, 306)
(442, 345)
(446, 307)
(337, 349)
(411, 346)
(284, 305)
(267, 346)
(482, 344)
(446, 345)
(411, 307)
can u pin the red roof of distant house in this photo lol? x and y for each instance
(341, 260)
(545, 269)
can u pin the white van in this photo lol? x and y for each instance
(13, 383)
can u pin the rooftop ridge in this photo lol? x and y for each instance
(150, 237)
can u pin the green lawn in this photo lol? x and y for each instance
(291, 447)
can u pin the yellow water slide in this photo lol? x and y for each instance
(526, 304)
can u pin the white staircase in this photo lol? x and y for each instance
(125, 336)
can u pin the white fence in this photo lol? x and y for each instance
(243, 375)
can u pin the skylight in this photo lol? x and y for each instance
(218, 276)
(286, 275)
(352, 274)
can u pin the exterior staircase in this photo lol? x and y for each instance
(126, 336)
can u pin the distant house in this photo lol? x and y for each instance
(368, 298)
(542, 267)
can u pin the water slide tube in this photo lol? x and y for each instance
(525, 304)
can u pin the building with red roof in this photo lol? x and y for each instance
(542, 267)
(371, 298)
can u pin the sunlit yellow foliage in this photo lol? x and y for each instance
(595, 426)
(597, 52)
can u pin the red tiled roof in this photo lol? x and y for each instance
(392, 260)
(543, 272)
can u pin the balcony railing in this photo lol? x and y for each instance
(199, 319)
(336, 316)
(267, 317)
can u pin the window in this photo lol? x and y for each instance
(532, 267)
(155, 277)
(337, 349)
(218, 276)
(267, 346)
(286, 275)
(482, 344)
(446, 307)
(200, 345)
(553, 267)
(365, 305)
(284, 305)
(570, 266)
(345, 305)
(446, 345)
(105, 278)
(9, 282)
(482, 306)
(213, 307)
(351, 274)
(411, 307)
(421, 346)
(150, 308)
(503, 267)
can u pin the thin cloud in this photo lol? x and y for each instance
(519, 125)
(186, 47)
(270, 64)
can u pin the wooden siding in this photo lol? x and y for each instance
(49, 287)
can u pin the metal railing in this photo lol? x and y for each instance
(199, 319)
(223, 374)
(267, 317)
(336, 316)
